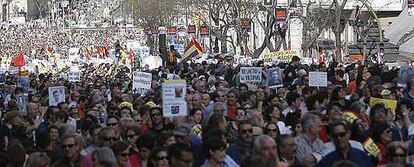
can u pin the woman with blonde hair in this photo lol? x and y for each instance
(38, 159)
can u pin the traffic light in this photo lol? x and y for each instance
(268, 3)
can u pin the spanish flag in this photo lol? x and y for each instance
(193, 49)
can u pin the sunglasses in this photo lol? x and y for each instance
(109, 138)
(68, 146)
(130, 136)
(244, 131)
(399, 155)
(339, 135)
(156, 114)
(161, 158)
(112, 124)
(272, 130)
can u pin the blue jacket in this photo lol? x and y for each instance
(236, 152)
(357, 156)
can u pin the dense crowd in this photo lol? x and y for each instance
(229, 124)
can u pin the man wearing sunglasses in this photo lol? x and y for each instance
(71, 151)
(242, 147)
(340, 134)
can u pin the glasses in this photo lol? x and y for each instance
(241, 113)
(130, 136)
(68, 146)
(109, 138)
(156, 114)
(272, 130)
(244, 131)
(399, 155)
(161, 158)
(339, 135)
(112, 124)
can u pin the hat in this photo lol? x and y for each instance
(295, 58)
(127, 105)
(182, 130)
(11, 115)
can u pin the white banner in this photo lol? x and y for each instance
(318, 79)
(173, 98)
(56, 95)
(74, 76)
(141, 82)
(250, 74)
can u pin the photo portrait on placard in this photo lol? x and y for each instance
(56, 95)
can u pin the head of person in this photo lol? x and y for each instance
(295, 61)
(256, 117)
(197, 115)
(56, 95)
(38, 159)
(396, 153)
(70, 146)
(201, 86)
(272, 114)
(311, 124)
(121, 151)
(63, 106)
(197, 100)
(125, 112)
(232, 97)
(381, 133)
(272, 130)
(287, 146)
(334, 112)
(131, 135)
(378, 113)
(241, 114)
(53, 132)
(107, 137)
(216, 121)
(216, 149)
(293, 99)
(206, 99)
(182, 133)
(243, 88)
(14, 118)
(113, 122)
(33, 109)
(156, 116)
(104, 157)
(220, 96)
(180, 155)
(246, 131)
(145, 144)
(265, 146)
(166, 140)
(340, 133)
(220, 108)
(158, 157)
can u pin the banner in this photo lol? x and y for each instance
(318, 79)
(173, 98)
(280, 15)
(284, 56)
(21, 103)
(56, 95)
(392, 104)
(191, 29)
(250, 74)
(73, 76)
(204, 31)
(349, 117)
(24, 83)
(406, 73)
(141, 82)
(274, 77)
(172, 30)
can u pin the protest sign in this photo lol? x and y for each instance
(21, 103)
(284, 56)
(406, 73)
(56, 95)
(74, 76)
(371, 147)
(173, 98)
(23, 82)
(141, 82)
(274, 77)
(318, 79)
(63, 76)
(391, 104)
(250, 74)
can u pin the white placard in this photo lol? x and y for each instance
(141, 82)
(63, 76)
(274, 77)
(56, 95)
(174, 90)
(173, 98)
(21, 103)
(74, 76)
(250, 74)
(318, 79)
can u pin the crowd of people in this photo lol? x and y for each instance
(228, 124)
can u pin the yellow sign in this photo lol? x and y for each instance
(281, 56)
(24, 73)
(392, 104)
(349, 117)
(371, 147)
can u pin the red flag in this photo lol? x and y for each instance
(19, 60)
(131, 55)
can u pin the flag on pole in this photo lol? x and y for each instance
(19, 60)
(49, 53)
(193, 49)
(123, 56)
